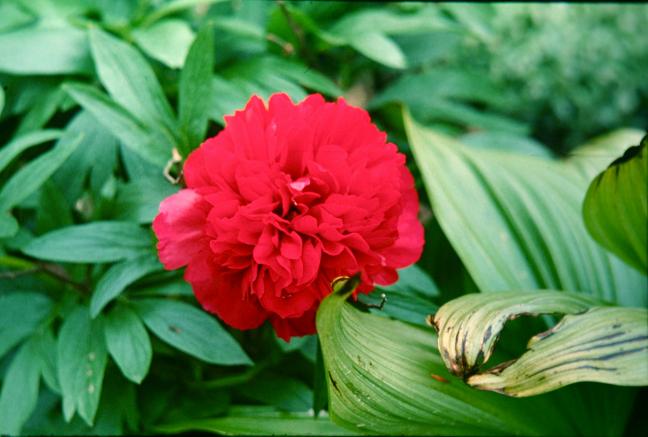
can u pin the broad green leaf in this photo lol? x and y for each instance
(380, 48)
(191, 330)
(167, 41)
(227, 97)
(81, 361)
(128, 342)
(120, 276)
(258, 421)
(15, 322)
(195, 92)
(19, 390)
(389, 21)
(30, 177)
(91, 243)
(595, 156)
(131, 81)
(44, 50)
(469, 326)
(616, 207)
(121, 123)
(507, 141)
(300, 73)
(139, 201)
(53, 211)
(42, 111)
(19, 144)
(387, 377)
(515, 221)
(591, 343)
(287, 394)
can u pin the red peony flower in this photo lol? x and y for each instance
(281, 202)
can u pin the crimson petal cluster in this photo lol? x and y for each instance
(286, 198)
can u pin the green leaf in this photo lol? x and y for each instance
(131, 81)
(30, 177)
(387, 377)
(122, 124)
(44, 50)
(191, 330)
(287, 394)
(604, 344)
(8, 225)
(195, 92)
(19, 390)
(16, 323)
(139, 201)
(120, 276)
(81, 361)
(128, 342)
(616, 207)
(174, 6)
(258, 421)
(167, 41)
(2, 100)
(507, 141)
(45, 346)
(380, 48)
(515, 220)
(91, 243)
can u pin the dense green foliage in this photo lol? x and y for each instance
(489, 102)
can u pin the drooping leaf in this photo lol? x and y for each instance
(131, 81)
(511, 231)
(15, 322)
(616, 207)
(30, 177)
(243, 420)
(195, 92)
(81, 361)
(19, 390)
(591, 343)
(44, 50)
(128, 342)
(167, 41)
(91, 242)
(174, 6)
(120, 276)
(23, 142)
(191, 330)
(469, 326)
(387, 377)
(121, 123)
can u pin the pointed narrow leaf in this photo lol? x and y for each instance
(616, 207)
(121, 123)
(19, 390)
(91, 243)
(16, 146)
(130, 80)
(128, 342)
(387, 377)
(81, 361)
(515, 221)
(168, 41)
(30, 177)
(120, 276)
(191, 330)
(195, 93)
(469, 326)
(380, 48)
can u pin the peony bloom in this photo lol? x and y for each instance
(281, 202)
